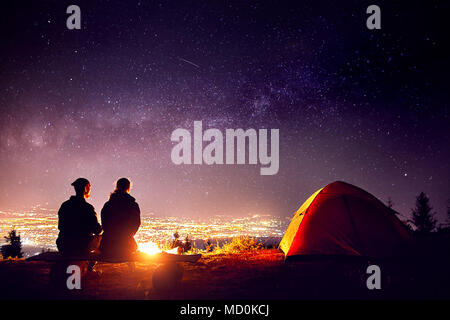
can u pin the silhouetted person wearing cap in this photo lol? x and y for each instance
(121, 218)
(78, 222)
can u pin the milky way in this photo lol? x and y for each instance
(365, 106)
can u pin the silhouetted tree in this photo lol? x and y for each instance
(176, 243)
(187, 244)
(208, 245)
(422, 217)
(14, 247)
(390, 203)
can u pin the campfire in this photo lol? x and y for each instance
(152, 248)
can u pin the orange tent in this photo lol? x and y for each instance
(341, 219)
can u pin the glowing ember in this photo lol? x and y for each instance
(152, 248)
(149, 248)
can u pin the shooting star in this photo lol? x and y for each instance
(187, 61)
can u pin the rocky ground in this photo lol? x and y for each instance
(255, 274)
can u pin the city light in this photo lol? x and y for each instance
(38, 229)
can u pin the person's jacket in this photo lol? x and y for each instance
(77, 224)
(121, 218)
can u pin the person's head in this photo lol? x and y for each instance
(82, 187)
(123, 185)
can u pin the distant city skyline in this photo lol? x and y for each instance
(38, 229)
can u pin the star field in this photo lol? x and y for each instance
(365, 106)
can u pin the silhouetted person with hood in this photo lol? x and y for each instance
(121, 218)
(77, 222)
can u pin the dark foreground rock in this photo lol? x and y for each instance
(260, 274)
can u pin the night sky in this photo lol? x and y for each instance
(369, 107)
